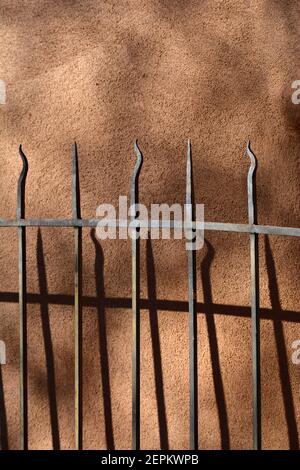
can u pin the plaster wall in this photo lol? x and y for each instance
(103, 73)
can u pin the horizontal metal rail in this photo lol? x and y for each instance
(209, 226)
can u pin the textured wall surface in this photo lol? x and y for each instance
(103, 73)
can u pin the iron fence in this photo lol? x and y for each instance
(253, 229)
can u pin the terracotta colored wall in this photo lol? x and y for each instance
(103, 73)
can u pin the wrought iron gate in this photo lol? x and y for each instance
(253, 229)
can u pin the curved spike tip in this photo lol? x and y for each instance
(251, 156)
(24, 160)
(21, 186)
(139, 157)
(136, 146)
(251, 186)
(136, 172)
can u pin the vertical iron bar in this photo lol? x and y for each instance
(135, 248)
(193, 368)
(22, 304)
(77, 299)
(254, 304)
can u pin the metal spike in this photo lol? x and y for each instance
(135, 248)
(22, 303)
(192, 293)
(77, 299)
(21, 185)
(255, 326)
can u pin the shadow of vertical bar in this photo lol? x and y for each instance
(77, 299)
(192, 288)
(254, 303)
(283, 362)
(135, 251)
(22, 303)
(103, 346)
(156, 350)
(3, 417)
(213, 345)
(51, 384)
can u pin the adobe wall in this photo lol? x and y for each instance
(103, 73)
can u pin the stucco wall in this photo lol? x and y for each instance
(104, 73)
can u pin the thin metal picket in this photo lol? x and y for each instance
(77, 299)
(193, 366)
(135, 248)
(22, 304)
(256, 392)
